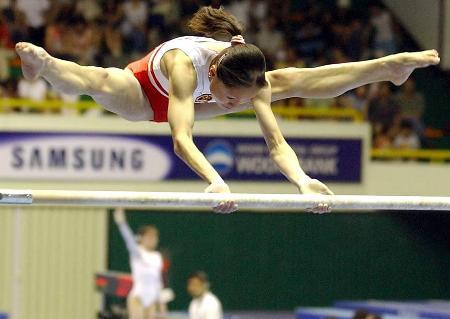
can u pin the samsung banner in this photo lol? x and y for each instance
(82, 156)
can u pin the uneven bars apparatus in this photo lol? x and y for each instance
(246, 201)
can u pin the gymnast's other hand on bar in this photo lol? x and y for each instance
(312, 186)
(219, 186)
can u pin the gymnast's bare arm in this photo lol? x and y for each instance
(333, 80)
(281, 153)
(182, 82)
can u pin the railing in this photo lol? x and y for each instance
(295, 113)
(287, 112)
(424, 155)
(7, 105)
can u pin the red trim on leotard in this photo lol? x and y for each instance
(158, 102)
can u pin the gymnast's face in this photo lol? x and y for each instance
(229, 97)
(150, 239)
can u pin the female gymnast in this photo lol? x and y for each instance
(194, 78)
(146, 268)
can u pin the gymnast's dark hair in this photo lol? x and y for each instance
(241, 64)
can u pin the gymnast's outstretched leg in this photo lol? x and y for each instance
(329, 81)
(333, 80)
(116, 90)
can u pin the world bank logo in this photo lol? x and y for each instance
(221, 156)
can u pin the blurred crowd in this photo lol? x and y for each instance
(304, 33)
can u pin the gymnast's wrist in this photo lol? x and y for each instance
(217, 185)
(218, 180)
(302, 181)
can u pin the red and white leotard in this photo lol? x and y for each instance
(156, 86)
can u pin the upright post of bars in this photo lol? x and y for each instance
(273, 202)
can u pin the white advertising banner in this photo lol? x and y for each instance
(73, 156)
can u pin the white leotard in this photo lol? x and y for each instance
(201, 56)
(146, 268)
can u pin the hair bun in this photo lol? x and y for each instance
(237, 39)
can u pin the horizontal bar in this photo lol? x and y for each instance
(14, 196)
(252, 201)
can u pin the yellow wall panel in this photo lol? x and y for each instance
(61, 250)
(6, 233)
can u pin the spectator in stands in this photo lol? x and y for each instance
(406, 138)
(382, 109)
(135, 13)
(35, 90)
(56, 38)
(354, 40)
(310, 38)
(259, 11)
(8, 89)
(112, 13)
(82, 40)
(134, 25)
(19, 28)
(411, 103)
(287, 57)
(241, 10)
(115, 56)
(384, 39)
(381, 136)
(6, 48)
(168, 12)
(204, 304)
(358, 100)
(337, 56)
(34, 11)
(269, 39)
(88, 9)
(5, 4)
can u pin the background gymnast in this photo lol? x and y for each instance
(193, 78)
(144, 299)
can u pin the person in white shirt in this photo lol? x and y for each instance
(407, 138)
(35, 11)
(384, 41)
(204, 304)
(35, 90)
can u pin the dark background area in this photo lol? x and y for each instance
(280, 261)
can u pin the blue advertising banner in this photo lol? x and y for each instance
(82, 156)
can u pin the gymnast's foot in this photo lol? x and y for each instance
(403, 64)
(33, 58)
